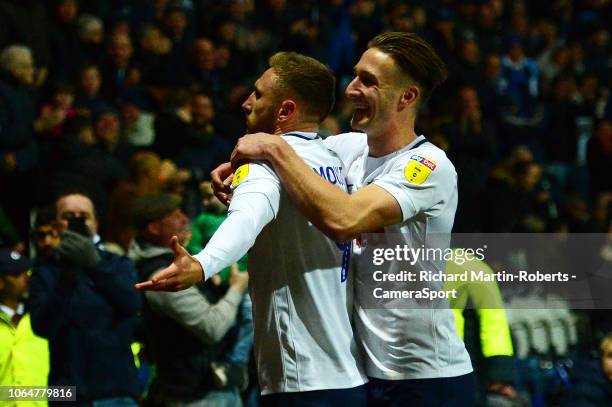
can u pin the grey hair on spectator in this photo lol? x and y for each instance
(11, 54)
(89, 24)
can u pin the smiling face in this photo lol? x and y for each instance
(374, 92)
(262, 106)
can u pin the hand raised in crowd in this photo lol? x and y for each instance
(184, 272)
(239, 280)
(221, 179)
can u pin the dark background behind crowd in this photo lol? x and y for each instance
(125, 98)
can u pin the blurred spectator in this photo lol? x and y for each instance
(18, 147)
(154, 54)
(207, 149)
(46, 233)
(8, 235)
(138, 130)
(585, 96)
(599, 159)
(473, 149)
(521, 78)
(17, 142)
(187, 330)
(24, 22)
(148, 174)
(176, 27)
(107, 129)
(593, 380)
(121, 74)
(513, 201)
(82, 165)
(202, 67)
(89, 98)
(24, 357)
(54, 113)
(367, 20)
(91, 35)
(488, 28)
(491, 88)
(84, 303)
(174, 130)
(443, 36)
(467, 67)
(561, 138)
(64, 40)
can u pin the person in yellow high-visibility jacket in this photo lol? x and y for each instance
(481, 322)
(24, 357)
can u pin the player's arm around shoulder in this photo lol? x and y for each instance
(336, 213)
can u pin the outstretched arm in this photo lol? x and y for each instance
(339, 215)
(254, 206)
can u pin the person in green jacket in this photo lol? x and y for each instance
(205, 226)
(24, 357)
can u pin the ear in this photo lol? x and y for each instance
(287, 110)
(409, 96)
(153, 229)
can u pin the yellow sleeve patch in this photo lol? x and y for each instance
(241, 173)
(416, 173)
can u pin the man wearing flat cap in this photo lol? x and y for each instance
(185, 331)
(24, 357)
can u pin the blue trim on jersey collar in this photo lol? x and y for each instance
(420, 143)
(303, 135)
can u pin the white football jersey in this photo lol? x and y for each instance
(406, 342)
(298, 284)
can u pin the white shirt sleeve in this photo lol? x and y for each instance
(420, 184)
(254, 204)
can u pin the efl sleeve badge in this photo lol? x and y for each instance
(241, 173)
(418, 169)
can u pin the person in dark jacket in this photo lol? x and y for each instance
(82, 300)
(593, 380)
(18, 147)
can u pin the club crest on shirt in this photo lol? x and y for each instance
(240, 174)
(418, 169)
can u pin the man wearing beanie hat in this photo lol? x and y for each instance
(186, 331)
(24, 357)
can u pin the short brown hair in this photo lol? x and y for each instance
(312, 82)
(415, 58)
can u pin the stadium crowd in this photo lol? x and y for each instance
(116, 111)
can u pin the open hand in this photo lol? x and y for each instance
(184, 272)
